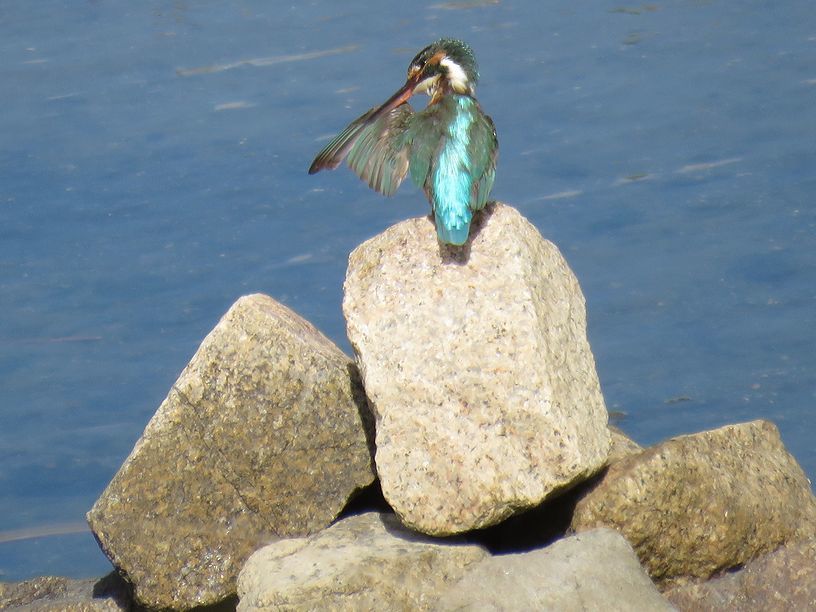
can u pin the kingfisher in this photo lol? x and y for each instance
(449, 147)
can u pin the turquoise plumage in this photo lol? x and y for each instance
(458, 179)
(450, 147)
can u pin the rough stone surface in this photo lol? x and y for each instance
(58, 594)
(595, 570)
(366, 562)
(477, 365)
(621, 445)
(261, 436)
(701, 503)
(550, 521)
(782, 580)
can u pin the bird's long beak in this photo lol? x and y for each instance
(402, 95)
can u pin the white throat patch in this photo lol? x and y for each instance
(427, 85)
(456, 76)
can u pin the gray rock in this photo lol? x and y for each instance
(595, 570)
(782, 580)
(58, 594)
(262, 436)
(701, 503)
(478, 369)
(366, 562)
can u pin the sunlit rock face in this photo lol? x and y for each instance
(262, 436)
(696, 504)
(478, 369)
(366, 562)
(593, 570)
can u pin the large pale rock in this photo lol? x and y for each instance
(700, 503)
(262, 436)
(366, 562)
(782, 580)
(478, 368)
(595, 570)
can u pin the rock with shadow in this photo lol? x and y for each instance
(476, 363)
(594, 570)
(365, 562)
(59, 594)
(784, 579)
(698, 504)
(262, 436)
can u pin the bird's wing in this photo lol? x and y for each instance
(377, 151)
(484, 151)
(335, 152)
(380, 154)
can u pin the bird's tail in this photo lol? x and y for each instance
(453, 229)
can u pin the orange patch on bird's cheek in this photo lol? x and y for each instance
(437, 57)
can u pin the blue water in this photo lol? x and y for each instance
(153, 169)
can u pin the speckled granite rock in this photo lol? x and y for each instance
(260, 437)
(366, 562)
(58, 594)
(621, 445)
(551, 520)
(782, 580)
(697, 504)
(478, 368)
(594, 570)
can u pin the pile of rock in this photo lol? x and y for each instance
(477, 382)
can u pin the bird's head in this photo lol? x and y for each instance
(446, 65)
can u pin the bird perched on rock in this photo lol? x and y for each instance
(450, 146)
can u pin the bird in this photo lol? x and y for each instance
(449, 147)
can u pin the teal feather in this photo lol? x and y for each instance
(453, 157)
(451, 180)
(379, 154)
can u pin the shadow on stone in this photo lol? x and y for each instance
(480, 219)
(228, 605)
(366, 413)
(460, 255)
(535, 528)
(114, 586)
(456, 255)
(367, 499)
